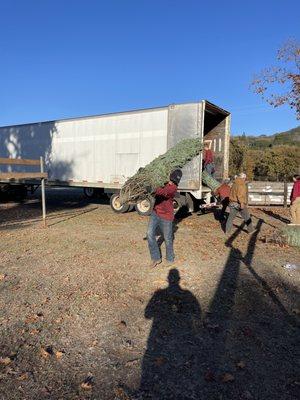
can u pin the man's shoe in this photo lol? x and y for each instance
(154, 263)
(170, 263)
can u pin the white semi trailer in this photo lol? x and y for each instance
(99, 153)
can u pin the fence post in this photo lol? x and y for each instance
(285, 193)
(43, 192)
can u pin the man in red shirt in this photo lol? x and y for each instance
(223, 193)
(208, 160)
(162, 217)
(295, 201)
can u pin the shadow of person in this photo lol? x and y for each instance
(170, 354)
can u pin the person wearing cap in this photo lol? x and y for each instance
(162, 218)
(295, 201)
(238, 203)
(223, 193)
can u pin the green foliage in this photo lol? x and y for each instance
(236, 157)
(278, 163)
(158, 171)
(210, 181)
(241, 159)
(274, 158)
(291, 235)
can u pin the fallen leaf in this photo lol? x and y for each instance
(23, 377)
(241, 365)
(34, 332)
(5, 360)
(209, 376)
(47, 351)
(59, 354)
(227, 377)
(87, 384)
(121, 394)
(160, 361)
(31, 318)
(122, 324)
(44, 353)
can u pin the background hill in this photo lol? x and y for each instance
(287, 138)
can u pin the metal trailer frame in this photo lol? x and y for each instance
(13, 177)
(201, 118)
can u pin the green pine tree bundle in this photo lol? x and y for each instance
(291, 235)
(210, 181)
(157, 173)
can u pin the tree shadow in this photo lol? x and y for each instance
(34, 141)
(274, 215)
(62, 204)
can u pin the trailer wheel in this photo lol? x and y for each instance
(144, 207)
(90, 193)
(176, 206)
(116, 204)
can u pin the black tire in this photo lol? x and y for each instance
(21, 192)
(116, 206)
(90, 193)
(144, 207)
(176, 205)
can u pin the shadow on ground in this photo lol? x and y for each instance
(61, 205)
(244, 347)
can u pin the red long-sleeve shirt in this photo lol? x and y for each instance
(164, 201)
(208, 156)
(295, 191)
(223, 191)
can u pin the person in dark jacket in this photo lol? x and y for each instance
(295, 201)
(162, 218)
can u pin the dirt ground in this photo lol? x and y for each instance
(84, 317)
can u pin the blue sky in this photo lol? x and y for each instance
(65, 58)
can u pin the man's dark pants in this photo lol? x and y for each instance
(234, 210)
(166, 228)
(225, 204)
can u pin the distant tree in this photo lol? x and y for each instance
(249, 161)
(240, 158)
(277, 164)
(236, 157)
(280, 84)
